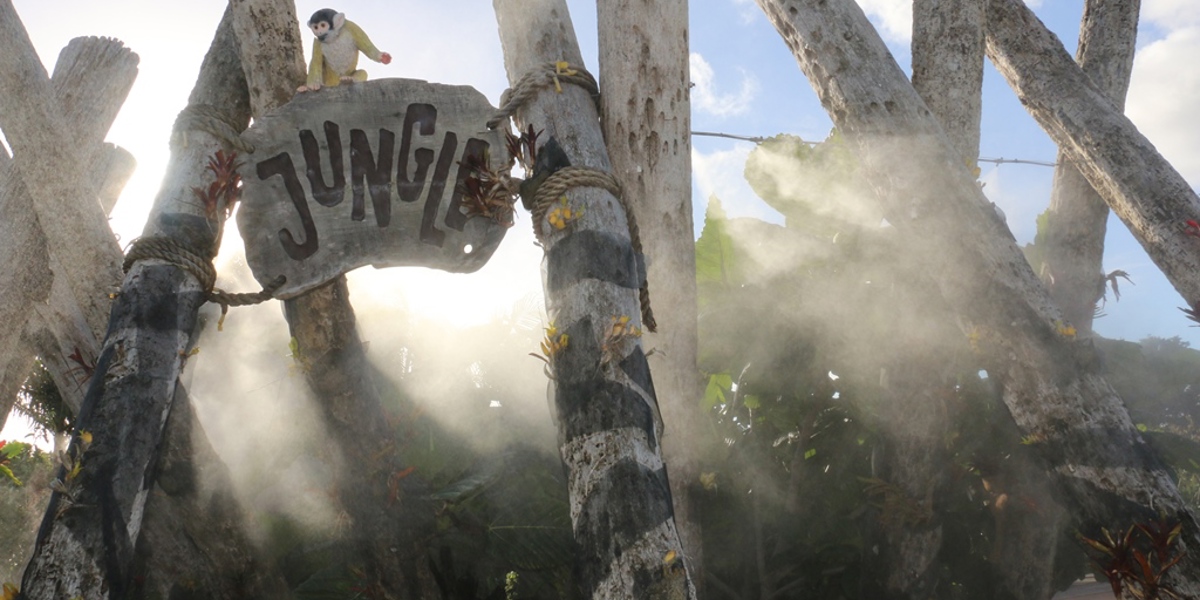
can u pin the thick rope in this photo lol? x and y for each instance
(556, 187)
(181, 255)
(538, 79)
(176, 253)
(206, 118)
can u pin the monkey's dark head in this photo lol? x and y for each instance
(326, 21)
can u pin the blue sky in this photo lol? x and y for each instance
(746, 82)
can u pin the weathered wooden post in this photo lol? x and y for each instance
(646, 117)
(607, 413)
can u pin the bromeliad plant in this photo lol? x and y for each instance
(225, 189)
(9, 451)
(1139, 568)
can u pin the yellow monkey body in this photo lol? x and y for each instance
(335, 51)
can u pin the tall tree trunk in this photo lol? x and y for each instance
(1141, 187)
(947, 54)
(646, 115)
(86, 546)
(609, 428)
(1076, 223)
(1049, 381)
(386, 530)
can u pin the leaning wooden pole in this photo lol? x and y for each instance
(646, 116)
(86, 544)
(1123, 167)
(1049, 380)
(609, 429)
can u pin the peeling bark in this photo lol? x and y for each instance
(1078, 217)
(1141, 187)
(609, 428)
(1110, 476)
(646, 115)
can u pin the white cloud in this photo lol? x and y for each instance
(706, 98)
(1161, 100)
(747, 10)
(1170, 13)
(893, 18)
(719, 174)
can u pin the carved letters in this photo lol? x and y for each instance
(398, 143)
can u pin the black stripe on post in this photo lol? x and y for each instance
(628, 503)
(591, 255)
(588, 403)
(638, 371)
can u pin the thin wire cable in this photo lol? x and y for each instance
(759, 140)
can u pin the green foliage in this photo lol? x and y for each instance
(715, 264)
(21, 506)
(40, 401)
(793, 350)
(1035, 252)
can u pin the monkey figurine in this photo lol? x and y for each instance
(335, 51)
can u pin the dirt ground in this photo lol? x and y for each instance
(1087, 590)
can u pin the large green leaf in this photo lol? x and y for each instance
(715, 258)
(718, 385)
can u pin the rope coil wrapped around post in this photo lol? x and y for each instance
(199, 266)
(562, 180)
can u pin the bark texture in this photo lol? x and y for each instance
(1110, 476)
(76, 230)
(86, 546)
(1141, 187)
(1078, 218)
(947, 65)
(44, 284)
(609, 428)
(947, 49)
(387, 531)
(646, 115)
(947, 62)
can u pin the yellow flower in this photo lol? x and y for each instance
(554, 342)
(1065, 330)
(563, 215)
(85, 437)
(9, 592)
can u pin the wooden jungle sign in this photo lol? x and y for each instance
(367, 173)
